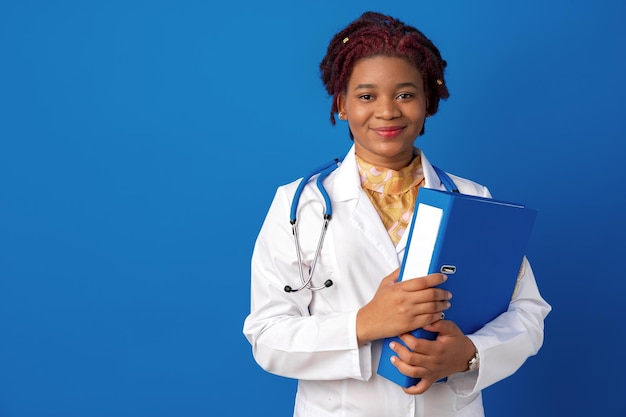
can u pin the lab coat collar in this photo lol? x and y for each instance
(431, 179)
(347, 186)
(348, 182)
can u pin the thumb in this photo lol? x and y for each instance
(393, 277)
(441, 327)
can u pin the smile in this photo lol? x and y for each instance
(389, 132)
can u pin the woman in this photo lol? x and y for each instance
(385, 78)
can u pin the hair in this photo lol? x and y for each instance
(376, 34)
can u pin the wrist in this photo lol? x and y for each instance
(474, 363)
(363, 334)
(472, 360)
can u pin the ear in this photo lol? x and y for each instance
(341, 103)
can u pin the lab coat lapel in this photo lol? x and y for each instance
(367, 220)
(348, 191)
(431, 180)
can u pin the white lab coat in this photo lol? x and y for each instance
(311, 336)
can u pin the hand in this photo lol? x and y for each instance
(432, 360)
(400, 307)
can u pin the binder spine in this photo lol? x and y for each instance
(428, 220)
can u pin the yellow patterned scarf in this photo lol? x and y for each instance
(393, 193)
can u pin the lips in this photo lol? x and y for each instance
(389, 132)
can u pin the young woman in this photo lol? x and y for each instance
(386, 78)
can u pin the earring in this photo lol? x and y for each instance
(342, 115)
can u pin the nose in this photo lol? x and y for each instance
(387, 109)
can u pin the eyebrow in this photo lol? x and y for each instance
(400, 85)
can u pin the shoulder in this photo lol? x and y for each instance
(467, 186)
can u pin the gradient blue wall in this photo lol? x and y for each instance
(141, 143)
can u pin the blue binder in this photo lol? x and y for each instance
(480, 243)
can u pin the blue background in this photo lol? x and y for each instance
(141, 143)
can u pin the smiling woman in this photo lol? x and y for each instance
(385, 106)
(141, 143)
(385, 78)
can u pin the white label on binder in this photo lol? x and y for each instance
(423, 239)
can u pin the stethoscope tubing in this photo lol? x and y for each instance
(446, 180)
(324, 171)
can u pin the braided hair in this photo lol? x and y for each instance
(375, 34)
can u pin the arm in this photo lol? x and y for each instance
(505, 343)
(334, 344)
(286, 339)
(502, 345)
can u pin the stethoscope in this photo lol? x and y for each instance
(323, 172)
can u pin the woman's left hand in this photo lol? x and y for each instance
(431, 360)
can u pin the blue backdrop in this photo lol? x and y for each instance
(141, 143)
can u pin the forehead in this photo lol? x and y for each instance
(384, 70)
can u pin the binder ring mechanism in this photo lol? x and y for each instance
(448, 269)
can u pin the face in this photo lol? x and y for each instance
(385, 105)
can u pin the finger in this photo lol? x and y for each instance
(413, 371)
(429, 294)
(438, 326)
(420, 388)
(424, 282)
(421, 315)
(423, 295)
(430, 311)
(415, 347)
(404, 351)
(444, 327)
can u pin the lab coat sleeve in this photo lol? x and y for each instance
(506, 342)
(286, 340)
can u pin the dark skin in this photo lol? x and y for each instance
(432, 360)
(385, 104)
(400, 307)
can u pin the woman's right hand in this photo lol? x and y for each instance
(401, 307)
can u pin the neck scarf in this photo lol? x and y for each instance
(392, 193)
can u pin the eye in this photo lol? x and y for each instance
(405, 96)
(366, 97)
